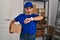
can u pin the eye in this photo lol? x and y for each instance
(27, 8)
(30, 8)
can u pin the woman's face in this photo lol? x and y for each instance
(29, 10)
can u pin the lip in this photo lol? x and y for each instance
(28, 12)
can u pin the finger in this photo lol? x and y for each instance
(27, 22)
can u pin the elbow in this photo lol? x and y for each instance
(41, 17)
(12, 22)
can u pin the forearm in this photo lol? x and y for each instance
(12, 22)
(27, 20)
(38, 18)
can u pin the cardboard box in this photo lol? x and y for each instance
(16, 28)
(42, 12)
(40, 32)
(35, 9)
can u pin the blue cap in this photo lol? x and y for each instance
(28, 4)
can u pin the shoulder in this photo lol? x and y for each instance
(19, 15)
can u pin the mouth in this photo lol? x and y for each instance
(29, 12)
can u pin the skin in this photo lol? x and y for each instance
(28, 11)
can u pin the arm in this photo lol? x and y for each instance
(27, 20)
(12, 22)
(16, 19)
(38, 18)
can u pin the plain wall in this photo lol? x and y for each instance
(53, 4)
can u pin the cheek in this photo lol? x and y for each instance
(26, 10)
(31, 10)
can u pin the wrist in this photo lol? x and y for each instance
(31, 18)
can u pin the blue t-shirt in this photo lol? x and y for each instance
(29, 28)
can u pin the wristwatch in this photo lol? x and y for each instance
(32, 18)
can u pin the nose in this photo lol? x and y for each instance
(29, 9)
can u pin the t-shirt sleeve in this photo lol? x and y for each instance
(17, 18)
(35, 15)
